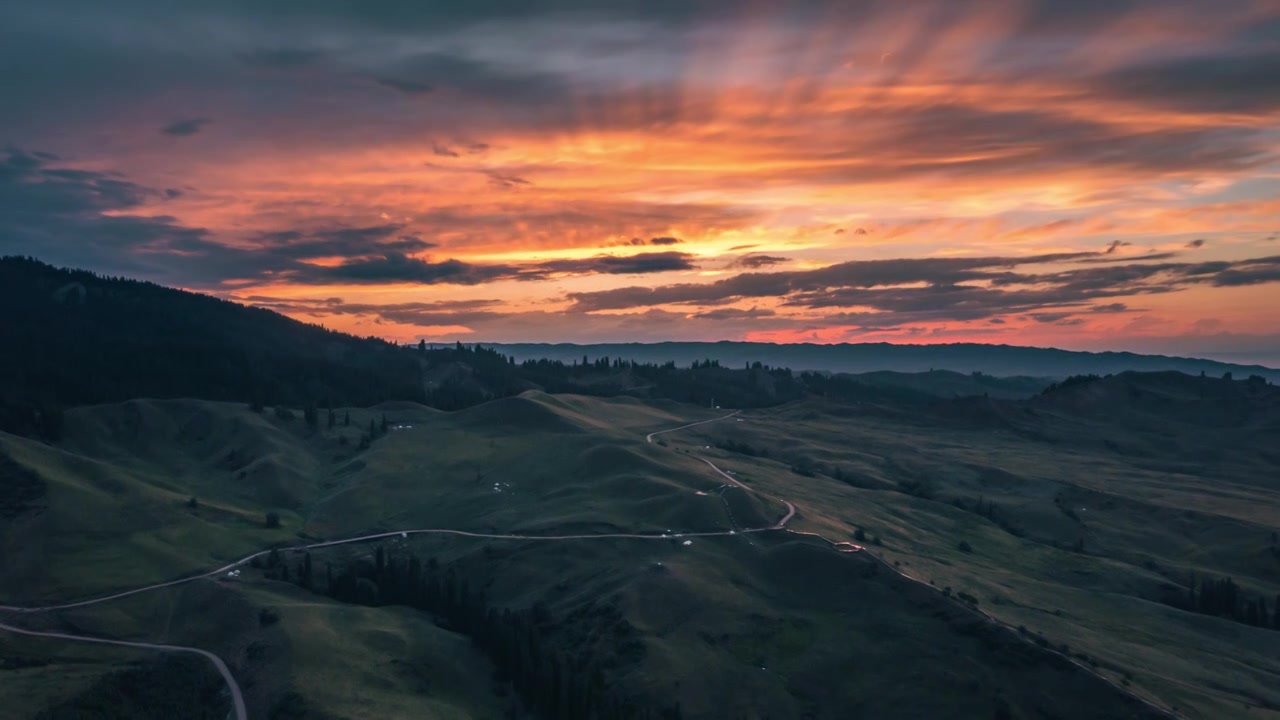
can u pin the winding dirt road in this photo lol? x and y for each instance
(849, 547)
(234, 688)
(237, 699)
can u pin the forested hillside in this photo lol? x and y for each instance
(73, 338)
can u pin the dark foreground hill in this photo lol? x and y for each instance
(73, 338)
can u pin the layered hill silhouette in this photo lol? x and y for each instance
(77, 338)
(80, 338)
(999, 360)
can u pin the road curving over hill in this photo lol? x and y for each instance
(781, 525)
(237, 698)
(850, 547)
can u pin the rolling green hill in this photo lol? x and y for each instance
(1085, 515)
(757, 625)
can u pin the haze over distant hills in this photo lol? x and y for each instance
(1000, 360)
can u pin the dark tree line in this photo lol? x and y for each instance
(1224, 598)
(551, 682)
(1072, 381)
(490, 374)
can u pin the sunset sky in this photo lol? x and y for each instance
(1084, 174)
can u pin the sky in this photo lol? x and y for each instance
(1084, 174)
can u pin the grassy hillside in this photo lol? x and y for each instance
(1083, 516)
(763, 625)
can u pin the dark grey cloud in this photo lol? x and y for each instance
(1032, 142)
(758, 261)
(1115, 245)
(396, 267)
(849, 275)
(1248, 272)
(615, 265)
(338, 242)
(735, 314)
(361, 234)
(445, 312)
(183, 128)
(1232, 81)
(1197, 243)
(505, 181)
(1050, 317)
(641, 242)
(1108, 258)
(76, 217)
(69, 216)
(390, 262)
(900, 292)
(1110, 308)
(442, 150)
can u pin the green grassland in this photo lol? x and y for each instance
(1155, 494)
(759, 625)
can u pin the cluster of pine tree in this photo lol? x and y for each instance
(490, 374)
(1224, 598)
(1072, 382)
(375, 431)
(550, 682)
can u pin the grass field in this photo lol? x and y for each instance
(1149, 520)
(761, 625)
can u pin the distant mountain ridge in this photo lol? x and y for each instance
(1000, 360)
